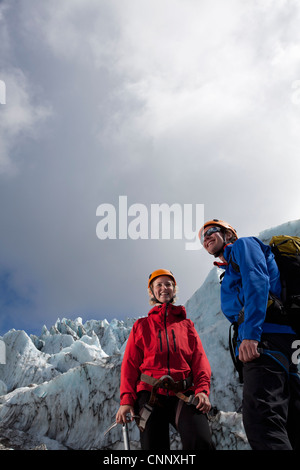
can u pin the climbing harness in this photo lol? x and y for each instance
(165, 382)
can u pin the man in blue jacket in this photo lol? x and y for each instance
(271, 393)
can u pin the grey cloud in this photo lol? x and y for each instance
(162, 102)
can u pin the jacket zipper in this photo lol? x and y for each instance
(160, 340)
(167, 338)
(174, 339)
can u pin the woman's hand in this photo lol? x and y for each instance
(204, 403)
(123, 412)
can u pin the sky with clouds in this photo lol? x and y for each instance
(164, 102)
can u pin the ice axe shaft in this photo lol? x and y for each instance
(124, 430)
(126, 436)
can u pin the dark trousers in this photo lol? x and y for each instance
(271, 396)
(192, 425)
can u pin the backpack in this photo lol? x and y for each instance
(286, 310)
(286, 250)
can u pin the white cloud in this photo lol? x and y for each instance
(20, 116)
(165, 101)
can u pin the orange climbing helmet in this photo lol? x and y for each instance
(160, 272)
(217, 223)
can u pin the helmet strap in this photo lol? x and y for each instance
(225, 243)
(221, 251)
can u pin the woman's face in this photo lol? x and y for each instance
(163, 289)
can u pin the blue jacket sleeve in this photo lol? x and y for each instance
(250, 257)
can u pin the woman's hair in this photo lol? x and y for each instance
(153, 300)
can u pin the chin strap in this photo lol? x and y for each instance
(218, 253)
(226, 243)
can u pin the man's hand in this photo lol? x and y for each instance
(248, 350)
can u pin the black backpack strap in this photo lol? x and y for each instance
(233, 333)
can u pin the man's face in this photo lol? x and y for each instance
(212, 242)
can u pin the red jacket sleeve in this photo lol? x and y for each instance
(200, 366)
(130, 370)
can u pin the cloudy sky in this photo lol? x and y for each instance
(192, 102)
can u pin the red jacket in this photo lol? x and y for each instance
(161, 344)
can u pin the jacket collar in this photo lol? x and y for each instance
(177, 310)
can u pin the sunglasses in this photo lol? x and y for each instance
(209, 232)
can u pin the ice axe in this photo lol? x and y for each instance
(126, 436)
(125, 433)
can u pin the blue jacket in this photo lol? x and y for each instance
(258, 275)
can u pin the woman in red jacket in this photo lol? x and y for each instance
(164, 364)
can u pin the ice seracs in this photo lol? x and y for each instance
(60, 390)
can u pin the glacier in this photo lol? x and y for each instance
(60, 390)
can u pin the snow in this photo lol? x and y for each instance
(60, 390)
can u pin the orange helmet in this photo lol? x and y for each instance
(160, 272)
(218, 223)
